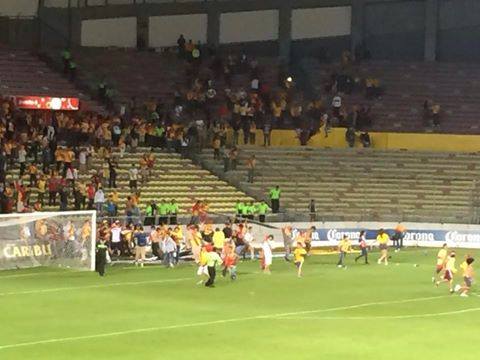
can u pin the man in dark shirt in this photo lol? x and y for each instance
(101, 257)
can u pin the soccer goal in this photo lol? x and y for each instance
(64, 239)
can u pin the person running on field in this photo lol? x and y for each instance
(267, 255)
(468, 275)
(213, 259)
(362, 242)
(344, 247)
(299, 257)
(382, 240)
(441, 261)
(449, 272)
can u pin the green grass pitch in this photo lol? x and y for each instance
(362, 312)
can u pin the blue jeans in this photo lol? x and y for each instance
(168, 258)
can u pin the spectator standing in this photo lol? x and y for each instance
(22, 159)
(251, 165)
(173, 211)
(313, 213)
(133, 177)
(99, 200)
(275, 194)
(262, 209)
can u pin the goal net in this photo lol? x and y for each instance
(65, 239)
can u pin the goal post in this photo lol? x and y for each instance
(63, 239)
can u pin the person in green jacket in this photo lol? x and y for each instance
(275, 198)
(239, 209)
(173, 211)
(163, 210)
(150, 212)
(262, 209)
(251, 210)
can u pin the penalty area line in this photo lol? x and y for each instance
(208, 323)
(98, 286)
(386, 317)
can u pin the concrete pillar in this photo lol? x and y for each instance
(142, 32)
(213, 27)
(431, 29)
(358, 24)
(285, 31)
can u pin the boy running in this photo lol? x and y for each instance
(299, 257)
(202, 270)
(344, 247)
(230, 262)
(267, 255)
(450, 270)
(382, 240)
(441, 260)
(468, 275)
(363, 247)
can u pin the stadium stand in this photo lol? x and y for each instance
(365, 184)
(406, 87)
(173, 177)
(22, 73)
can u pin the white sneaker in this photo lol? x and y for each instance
(464, 295)
(339, 266)
(379, 262)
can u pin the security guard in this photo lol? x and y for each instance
(101, 257)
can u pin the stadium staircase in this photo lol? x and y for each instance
(22, 73)
(173, 177)
(364, 184)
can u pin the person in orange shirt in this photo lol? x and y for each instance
(398, 236)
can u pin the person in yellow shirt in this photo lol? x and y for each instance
(468, 275)
(382, 240)
(41, 186)
(299, 257)
(344, 247)
(218, 239)
(450, 271)
(441, 260)
(202, 270)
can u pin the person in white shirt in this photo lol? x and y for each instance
(22, 158)
(254, 84)
(267, 254)
(248, 238)
(133, 177)
(116, 242)
(82, 160)
(336, 105)
(99, 200)
(169, 247)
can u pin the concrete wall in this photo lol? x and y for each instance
(120, 32)
(459, 30)
(321, 22)
(395, 30)
(164, 30)
(18, 7)
(248, 26)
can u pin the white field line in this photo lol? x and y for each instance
(99, 286)
(12, 276)
(207, 323)
(389, 317)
